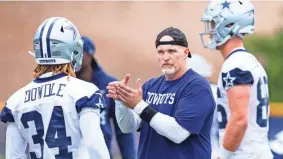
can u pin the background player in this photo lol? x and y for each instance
(205, 69)
(52, 112)
(92, 72)
(243, 98)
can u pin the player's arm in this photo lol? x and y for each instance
(238, 92)
(15, 143)
(189, 116)
(88, 107)
(92, 133)
(127, 119)
(125, 141)
(238, 97)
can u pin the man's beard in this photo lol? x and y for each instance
(168, 71)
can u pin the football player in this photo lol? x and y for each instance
(242, 94)
(92, 71)
(53, 111)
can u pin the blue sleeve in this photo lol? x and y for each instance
(6, 115)
(236, 77)
(96, 100)
(195, 105)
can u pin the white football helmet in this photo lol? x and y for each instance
(224, 19)
(58, 41)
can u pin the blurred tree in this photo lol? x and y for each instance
(268, 49)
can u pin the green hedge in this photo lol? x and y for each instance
(270, 48)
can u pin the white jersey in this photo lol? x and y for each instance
(214, 128)
(241, 67)
(46, 112)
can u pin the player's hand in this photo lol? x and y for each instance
(129, 96)
(112, 87)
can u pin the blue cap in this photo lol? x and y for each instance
(89, 46)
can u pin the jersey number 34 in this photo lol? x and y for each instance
(56, 126)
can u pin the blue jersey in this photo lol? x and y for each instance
(190, 101)
(125, 141)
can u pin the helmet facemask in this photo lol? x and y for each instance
(77, 57)
(208, 37)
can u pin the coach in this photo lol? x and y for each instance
(173, 112)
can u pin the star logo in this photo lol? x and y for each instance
(100, 103)
(71, 28)
(228, 81)
(225, 5)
